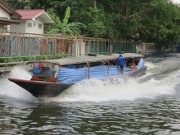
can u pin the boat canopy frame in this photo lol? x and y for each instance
(88, 59)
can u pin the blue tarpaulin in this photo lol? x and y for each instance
(73, 74)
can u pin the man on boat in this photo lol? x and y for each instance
(121, 62)
(133, 64)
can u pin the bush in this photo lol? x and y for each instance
(14, 60)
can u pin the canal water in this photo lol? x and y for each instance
(147, 105)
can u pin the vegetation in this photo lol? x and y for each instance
(155, 21)
(64, 27)
(15, 60)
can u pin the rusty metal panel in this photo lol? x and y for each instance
(59, 44)
(12, 45)
(64, 46)
(2, 46)
(23, 44)
(35, 46)
(43, 46)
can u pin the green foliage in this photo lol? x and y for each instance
(18, 4)
(158, 24)
(13, 60)
(154, 21)
(64, 27)
(95, 22)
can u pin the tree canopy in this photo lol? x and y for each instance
(155, 21)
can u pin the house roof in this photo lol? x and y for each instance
(9, 10)
(29, 14)
(4, 21)
(32, 14)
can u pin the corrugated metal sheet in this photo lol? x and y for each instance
(29, 45)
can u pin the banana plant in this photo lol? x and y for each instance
(65, 27)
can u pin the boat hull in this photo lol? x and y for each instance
(40, 88)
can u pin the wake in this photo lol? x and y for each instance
(96, 90)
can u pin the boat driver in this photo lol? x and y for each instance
(121, 62)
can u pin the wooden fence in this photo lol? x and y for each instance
(26, 44)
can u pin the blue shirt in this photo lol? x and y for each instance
(121, 61)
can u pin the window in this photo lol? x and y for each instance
(29, 24)
(40, 26)
(34, 24)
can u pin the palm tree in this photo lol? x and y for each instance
(65, 27)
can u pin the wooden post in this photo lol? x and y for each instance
(55, 42)
(88, 70)
(62, 47)
(108, 68)
(98, 47)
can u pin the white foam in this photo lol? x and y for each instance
(96, 90)
(150, 65)
(10, 89)
(20, 72)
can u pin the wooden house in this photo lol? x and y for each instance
(32, 21)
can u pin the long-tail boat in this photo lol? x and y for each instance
(52, 77)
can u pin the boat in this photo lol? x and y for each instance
(51, 77)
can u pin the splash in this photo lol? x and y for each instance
(10, 89)
(131, 89)
(20, 72)
(150, 65)
(97, 90)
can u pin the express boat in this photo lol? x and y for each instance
(52, 77)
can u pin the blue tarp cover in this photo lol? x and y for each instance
(73, 74)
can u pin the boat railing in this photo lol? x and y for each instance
(104, 62)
